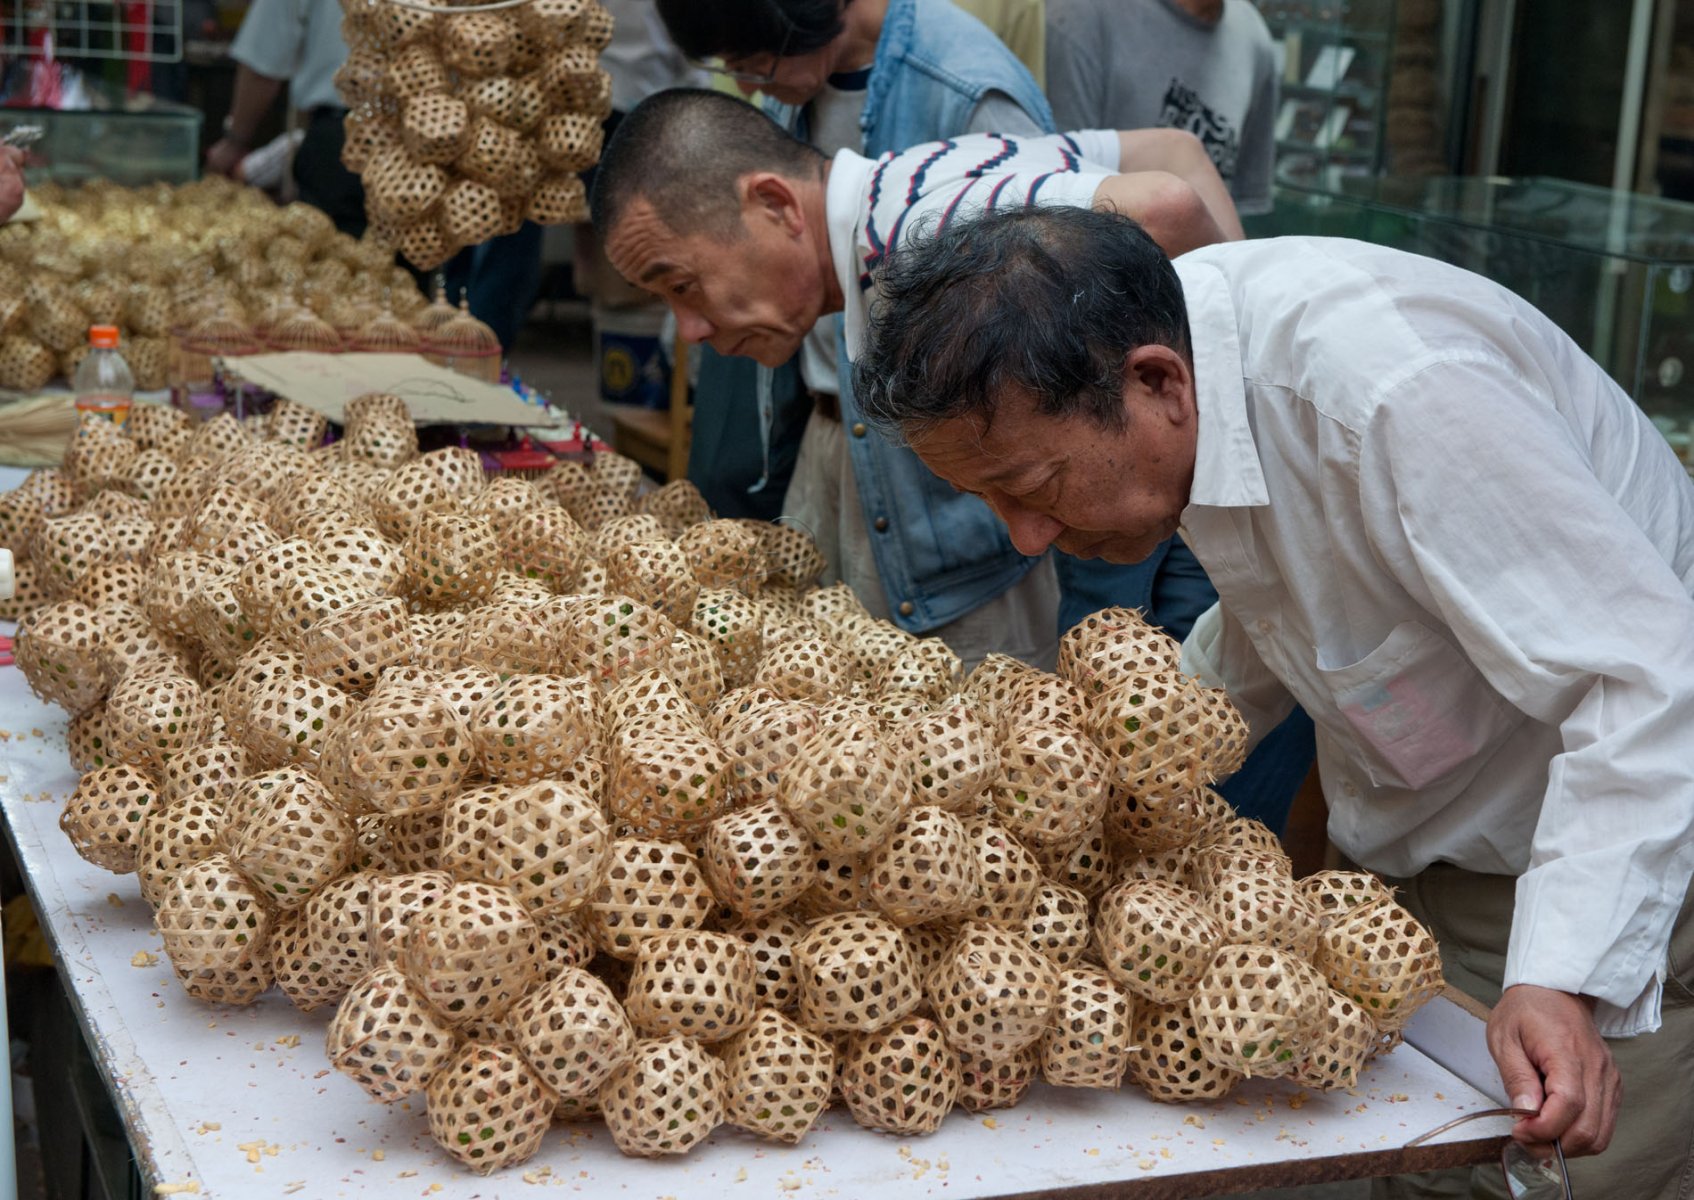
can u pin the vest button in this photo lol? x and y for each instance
(907, 608)
(859, 429)
(882, 524)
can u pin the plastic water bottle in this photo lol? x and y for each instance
(104, 384)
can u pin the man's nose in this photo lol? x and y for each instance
(1031, 532)
(692, 326)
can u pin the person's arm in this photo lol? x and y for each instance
(1257, 159)
(1487, 500)
(1076, 67)
(999, 113)
(11, 182)
(255, 94)
(1180, 153)
(1168, 208)
(1219, 653)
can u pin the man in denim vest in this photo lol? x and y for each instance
(869, 76)
(751, 236)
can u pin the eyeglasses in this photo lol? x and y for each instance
(1527, 1177)
(735, 69)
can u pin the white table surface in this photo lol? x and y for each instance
(203, 1090)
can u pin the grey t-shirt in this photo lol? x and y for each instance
(1137, 64)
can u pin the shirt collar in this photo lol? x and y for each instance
(844, 210)
(1227, 473)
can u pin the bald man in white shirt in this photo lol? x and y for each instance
(1434, 523)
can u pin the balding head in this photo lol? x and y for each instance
(683, 152)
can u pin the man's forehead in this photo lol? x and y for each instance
(641, 246)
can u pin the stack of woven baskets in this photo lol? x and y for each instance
(465, 122)
(578, 803)
(160, 262)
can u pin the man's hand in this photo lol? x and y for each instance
(11, 181)
(1553, 1060)
(224, 157)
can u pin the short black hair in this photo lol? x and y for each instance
(683, 150)
(1048, 300)
(744, 28)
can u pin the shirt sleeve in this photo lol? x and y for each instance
(1571, 613)
(1076, 69)
(1220, 654)
(999, 113)
(271, 38)
(1251, 188)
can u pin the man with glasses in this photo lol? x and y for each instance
(1435, 524)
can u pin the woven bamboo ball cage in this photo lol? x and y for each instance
(926, 870)
(778, 1076)
(1089, 1045)
(855, 972)
(846, 789)
(215, 928)
(174, 836)
(1383, 959)
(57, 649)
(1256, 1008)
(488, 1107)
(1156, 939)
(771, 940)
(990, 1083)
(666, 1098)
(692, 984)
(103, 816)
(284, 832)
(647, 887)
(386, 1039)
(153, 716)
(472, 953)
(1169, 1060)
(1057, 924)
(1337, 1050)
(545, 841)
(901, 1079)
(756, 860)
(992, 994)
(1011, 875)
(574, 1031)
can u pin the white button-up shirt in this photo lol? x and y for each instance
(1443, 530)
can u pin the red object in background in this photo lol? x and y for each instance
(138, 40)
(46, 78)
(5, 652)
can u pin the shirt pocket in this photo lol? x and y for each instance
(1417, 709)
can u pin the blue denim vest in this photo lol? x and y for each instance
(940, 551)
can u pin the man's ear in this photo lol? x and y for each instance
(767, 196)
(1159, 377)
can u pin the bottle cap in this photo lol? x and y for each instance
(103, 337)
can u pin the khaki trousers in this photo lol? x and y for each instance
(1652, 1154)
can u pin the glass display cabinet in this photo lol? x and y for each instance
(1335, 56)
(1614, 270)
